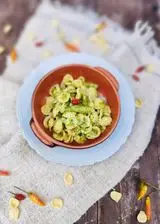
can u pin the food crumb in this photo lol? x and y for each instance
(31, 36)
(2, 49)
(57, 203)
(138, 103)
(47, 54)
(68, 179)
(55, 23)
(141, 217)
(7, 28)
(115, 196)
(150, 68)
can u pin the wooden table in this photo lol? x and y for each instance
(126, 12)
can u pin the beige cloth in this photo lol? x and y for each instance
(32, 172)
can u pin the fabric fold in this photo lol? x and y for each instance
(32, 172)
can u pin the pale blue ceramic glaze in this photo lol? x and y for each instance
(67, 156)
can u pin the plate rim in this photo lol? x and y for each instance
(31, 142)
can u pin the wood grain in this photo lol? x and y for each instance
(91, 216)
(108, 212)
(15, 13)
(125, 12)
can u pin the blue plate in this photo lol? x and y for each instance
(67, 156)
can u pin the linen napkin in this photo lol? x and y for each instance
(125, 50)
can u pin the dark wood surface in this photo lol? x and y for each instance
(126, 12)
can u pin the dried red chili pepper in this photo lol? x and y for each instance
(4, 173)
(140, 69)
(136, 77)
(71, 47)
(143, 188)
(13, 55)
(101, 26)
(148, 208)
(33, 197)
(150, 185)
(39, 43)
(75, 101)
(19, 197)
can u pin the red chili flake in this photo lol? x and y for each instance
(136, 77)
(140, 69)
(19, 197)
(39, 43)
(75, 101)
(4, 173)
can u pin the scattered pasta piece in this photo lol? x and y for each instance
(13, 209)
(100, 26)
(68, 179)
(7, 28)
(93, 38)
(57, 203)
(31, 36)
(14, 214)
(99, 40)
(61, 35)
(150, 68)
(115, 196)
(13, 55)
(55, 23)
(47, 54)
(2, 49)
(13, 203)
(141, 217)
(138, 103)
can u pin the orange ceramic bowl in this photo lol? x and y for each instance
(108, 87)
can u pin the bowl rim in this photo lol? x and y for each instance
(70, 146)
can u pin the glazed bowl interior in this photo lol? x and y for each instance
(105, 89)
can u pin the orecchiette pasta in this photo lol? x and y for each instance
(69, 122)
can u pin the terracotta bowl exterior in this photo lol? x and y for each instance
(108, 87)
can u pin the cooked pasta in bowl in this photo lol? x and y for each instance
(75, 106)
(73, 111)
